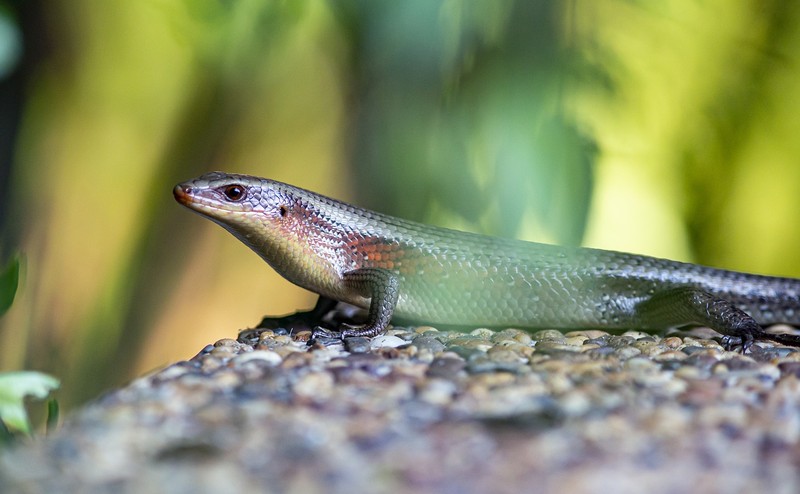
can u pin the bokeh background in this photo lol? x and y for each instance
(666, 127)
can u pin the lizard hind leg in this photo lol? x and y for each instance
(682, 306)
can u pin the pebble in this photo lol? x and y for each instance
(296, 359)
(549, 335)
(688, 372)
(672, 342)
(641, 365)
(227, 342)
(223, 353)
(483, 333)
(554, 347)
(623, 341)
(517, 335)
(425, 329)
(466, 353)
(471, 342)
(266, 356)
(577, 340)
(316, 387)
(669, 355)
(690, 350)
(766, 354)
(439, 392)
(357, 345)
(429, 343)
(285, 339)
(446, 368)
(648, 347)
(627, 352)
(789, 368)
(704, 360)
(575, 404)
(501, 354)
(480, 363)
(600, 341)
(387, 341)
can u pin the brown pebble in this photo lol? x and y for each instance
(446, 368)
(482, 333)
(302, 336)
(500, 354)
(590, 334)
(549, 335)
(226, 342)
(789, 368)
(672, 342)
(315, 387)
(670, 355)
(296, 359)
(425, 329)
(578, 340)
(437, 391)
(702, 392)
(222, 353)
(267, 334)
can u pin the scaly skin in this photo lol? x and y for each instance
(393, 266)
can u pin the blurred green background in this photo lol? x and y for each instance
(664, 127)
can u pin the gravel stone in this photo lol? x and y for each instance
(384, 341)
(425, 329)
(483, 333)
(357, 345)
(429, 343)
(266, 356)
(549, 335)
(446, 368)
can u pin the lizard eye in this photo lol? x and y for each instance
(234, 192)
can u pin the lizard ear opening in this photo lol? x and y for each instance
(283, 211)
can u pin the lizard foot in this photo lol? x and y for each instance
(740, 343)
(325, 336)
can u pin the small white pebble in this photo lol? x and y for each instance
(383, 341)
(267, 356)
(482, 332)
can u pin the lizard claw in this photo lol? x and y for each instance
(329, 337)
(325, 337)
(742, 343)
(729, 343)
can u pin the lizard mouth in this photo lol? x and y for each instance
(195, 199)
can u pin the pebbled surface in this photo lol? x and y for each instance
(422, 410)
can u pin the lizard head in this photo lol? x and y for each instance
(283, 224)
(251, 208)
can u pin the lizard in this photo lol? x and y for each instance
(396, 267)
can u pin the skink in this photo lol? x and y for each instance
(396, 267)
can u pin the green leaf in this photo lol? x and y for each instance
(52, 415)
(10, 43)
(9, 279)
(14, 387)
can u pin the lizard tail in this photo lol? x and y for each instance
(785, 338)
